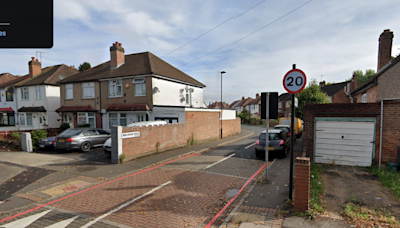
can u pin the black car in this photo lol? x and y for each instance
(279, 144)
(47, 143)
(81, 138)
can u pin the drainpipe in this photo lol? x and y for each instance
(381, 129)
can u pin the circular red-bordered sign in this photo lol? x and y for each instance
(294, 81)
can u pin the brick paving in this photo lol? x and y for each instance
(268, 217)
(190, 200)
(237, 167)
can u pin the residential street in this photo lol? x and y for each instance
(195, 190)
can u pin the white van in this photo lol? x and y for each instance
(107, 143)
(148, 123)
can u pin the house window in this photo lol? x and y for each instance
(187, 96)
(87, 118)
(25, 119)
(25, 93)
(115, 88)
(364, 98)
(140, 86)
(287, 105)
(69, 91)
(117, 119)
(141, 118)
(38, 92)
(7, 119)
(9, 96)
(279, 104)
(88, 90)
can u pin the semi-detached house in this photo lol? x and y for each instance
(30, 101)
(127, 89)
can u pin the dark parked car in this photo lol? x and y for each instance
(279, 144)
(286, 128)
(81, 138)
(47, 143)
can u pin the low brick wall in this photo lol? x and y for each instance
(302, 185)
(199, 127)
(231, 127)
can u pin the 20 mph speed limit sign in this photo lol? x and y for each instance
(294, 81)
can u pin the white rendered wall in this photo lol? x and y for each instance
(173, 94)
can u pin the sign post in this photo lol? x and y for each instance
(267, 139)
(294, 82)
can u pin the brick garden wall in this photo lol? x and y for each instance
(202, 126)
(391, 124)
(302, 185)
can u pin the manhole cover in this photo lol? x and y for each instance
(85, 169)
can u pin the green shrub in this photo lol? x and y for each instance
(36, 136)
(64, 126)
(84, 125)
(245, 116)
(16, 136)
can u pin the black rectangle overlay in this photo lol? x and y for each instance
(26, 24)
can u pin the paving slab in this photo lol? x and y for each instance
(295, 221)
(31, 159)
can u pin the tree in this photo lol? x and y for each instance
(363, 77)
(312, 94)
(84, 66)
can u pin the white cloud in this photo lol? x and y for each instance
(329, 38)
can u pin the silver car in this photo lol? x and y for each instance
(81, 138)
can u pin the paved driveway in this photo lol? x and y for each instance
(96, 155)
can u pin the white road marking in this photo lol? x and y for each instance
(124, 205)
(22, 223)
(219, 161)
(64, 223)
(247, 147)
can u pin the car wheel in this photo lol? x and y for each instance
(85, 146)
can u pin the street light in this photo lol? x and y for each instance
(222, 72)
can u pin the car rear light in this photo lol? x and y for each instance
(258, 142)
(289, 134)
(69, 140)
(282, 142)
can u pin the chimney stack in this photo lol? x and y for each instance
(35, 67)
(257, 96)
(322, 84)
(117, 53)
(385, 48)
(242, 98)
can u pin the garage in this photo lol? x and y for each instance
(344, 141)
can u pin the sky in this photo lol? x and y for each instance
(255, 42)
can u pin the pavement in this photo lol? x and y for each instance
(31, 179)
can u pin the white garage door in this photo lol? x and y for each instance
(344, 143)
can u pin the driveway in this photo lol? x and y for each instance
(95, 155)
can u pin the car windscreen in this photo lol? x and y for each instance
(285, 122)
(287, 130)
(272, 136)
(69, 132)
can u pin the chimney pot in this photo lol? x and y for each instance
(33, 58)
(385, 48)
(117, 55)
(35, 67)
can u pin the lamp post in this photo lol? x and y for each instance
(222, 72)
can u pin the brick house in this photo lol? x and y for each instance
(241, 105)
(254, 107)
(217, 105)
(340, 92)
(385, 83)
(127, 89)
(284, 108)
